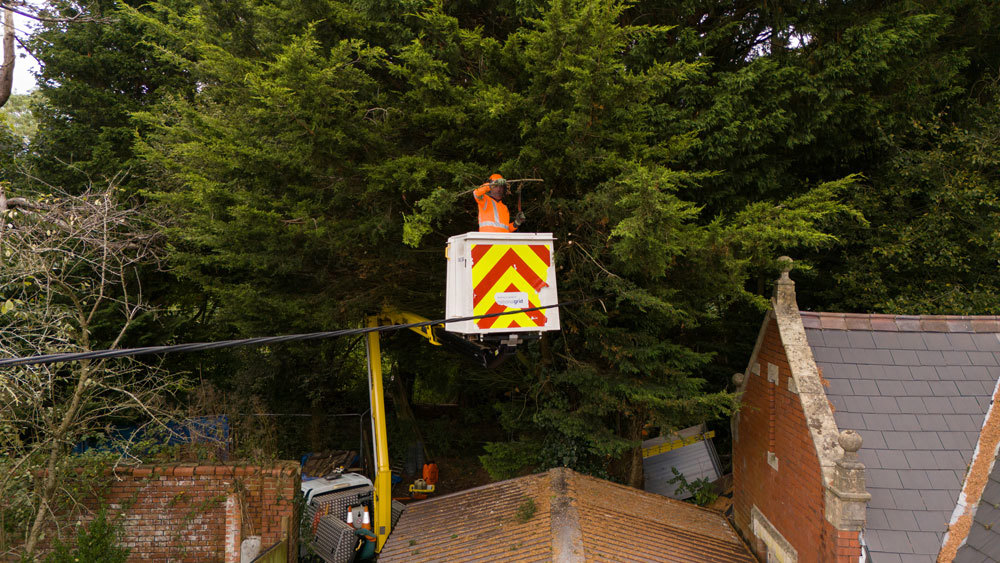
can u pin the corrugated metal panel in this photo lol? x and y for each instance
(696, 461)
(334, 541)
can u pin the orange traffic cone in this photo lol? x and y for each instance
(366, 523)
(350, 516)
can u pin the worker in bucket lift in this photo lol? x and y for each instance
(493, 214)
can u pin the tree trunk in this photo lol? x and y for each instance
(7, 68)
(55, 451)
(628, 468)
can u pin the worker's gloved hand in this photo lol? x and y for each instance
(519, 220)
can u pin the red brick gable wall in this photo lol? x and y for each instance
(771, 419)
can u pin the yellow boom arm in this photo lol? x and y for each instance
(383, 475)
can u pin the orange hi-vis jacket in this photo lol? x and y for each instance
(493, 214)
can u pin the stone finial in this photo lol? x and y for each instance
(737, 379)
(851, 442)
(786, 264)
(784, 287)
(846, 495)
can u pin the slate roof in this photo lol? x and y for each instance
(983, 543)
(575, 518)
(917, 389)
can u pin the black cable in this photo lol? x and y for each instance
(258, 341)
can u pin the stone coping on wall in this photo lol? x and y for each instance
(900, 323)
(276, 469)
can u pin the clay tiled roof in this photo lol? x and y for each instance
(918, 389)
(575, 518)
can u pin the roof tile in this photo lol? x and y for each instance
(841, 371)
(825, 354)
(932, 423)
(954, 441)
(860, 404)
(961, 341)
(864, 387)
(882, 498)
(886, 340)
(932, 521)
(866, 356)
(918, 388)
(922, 373)
(948, 460)
(892, 459)
(877, 421)
(931, 358)
(939, 500)
(987, 342)
(943, 388)
(894, 541)
(914, 341)
(963, 423)
(901, 520)
(838, 339)
(905, 422)
(919, 459)
(860, 339)
(927, 441)
(939, 405)
(913, 405)
(904, 357)
(866, 371)
(884, 478)
(966, 404)
(876, 519)
(927, 543)
(897, 440)
(956, 358)
(907, 500)
(982, 358)
(936, 341)
(944, 479)
(901, 373)
(872, 439)
(885, 405)
(914, 480)
(981, 373)
(969, 388)
(891, 388)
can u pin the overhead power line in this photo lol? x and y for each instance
(258, 341)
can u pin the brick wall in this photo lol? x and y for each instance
(790, 497)
(201, 513)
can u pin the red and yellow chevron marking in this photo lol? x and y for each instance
(498, 268)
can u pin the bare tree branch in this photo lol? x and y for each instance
(64, 261)
(79, 18)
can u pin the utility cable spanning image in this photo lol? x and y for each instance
(258, 341)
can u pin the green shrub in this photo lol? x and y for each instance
(97, 542)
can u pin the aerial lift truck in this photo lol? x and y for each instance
(488, 274)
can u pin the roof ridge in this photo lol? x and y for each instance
(567, 535)
(900, 323)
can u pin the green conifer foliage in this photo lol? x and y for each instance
(313, 178)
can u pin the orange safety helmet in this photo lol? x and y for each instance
(498, 186)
